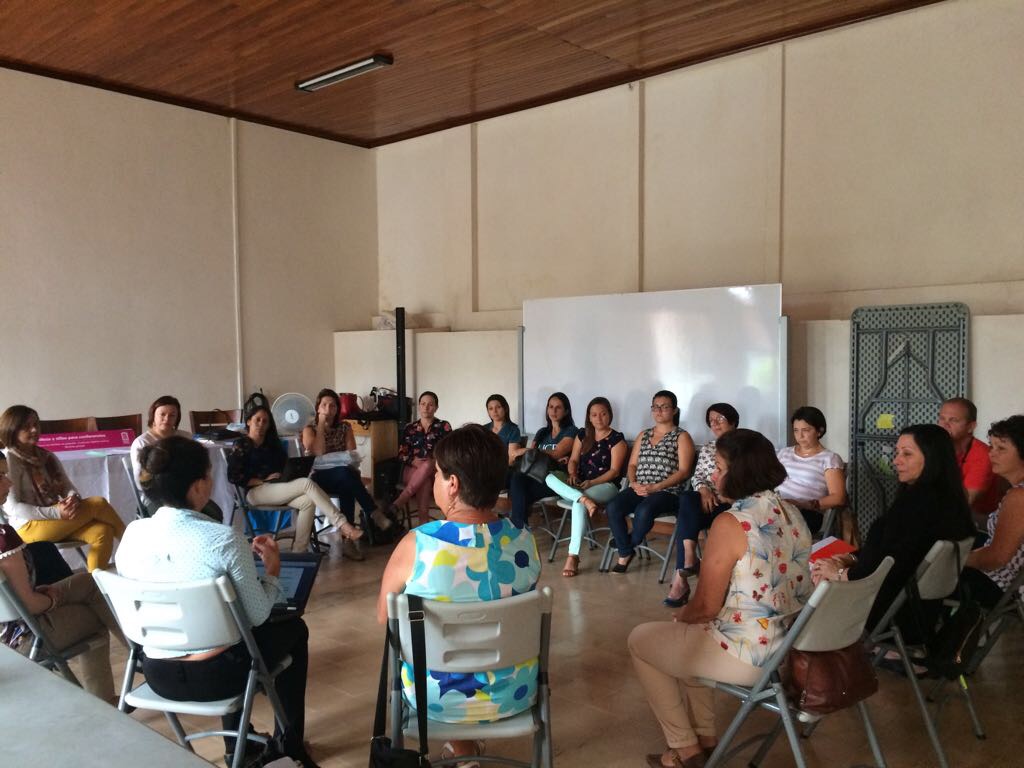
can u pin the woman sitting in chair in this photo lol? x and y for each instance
(43, 505)
(659, 465)
(815, 476)
(753, 577)
(68, 611)
(164, 418)
(256, 463)
(329, 437)
(930, 505)
(501, 423)
(180, 544)
(699, 507)
(469, 556)
(555, 439)
(595, 470)
(416, 451)
(993, 567)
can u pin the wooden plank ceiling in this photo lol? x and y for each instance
(455, 61)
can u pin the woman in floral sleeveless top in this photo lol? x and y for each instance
(754, 576)
(472, 555)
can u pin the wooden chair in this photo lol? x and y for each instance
(204, 420)
(132, 421)
(58, 426)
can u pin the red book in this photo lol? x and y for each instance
(830, 547)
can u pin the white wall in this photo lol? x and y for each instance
(118, 252)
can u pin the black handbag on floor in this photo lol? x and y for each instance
(382, 753)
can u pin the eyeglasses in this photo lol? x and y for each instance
(718, 420)
(655, 408)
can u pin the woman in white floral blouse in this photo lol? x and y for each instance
(753, 576)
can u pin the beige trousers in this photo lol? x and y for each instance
(81, 613)
(305, 496)
(668, 657)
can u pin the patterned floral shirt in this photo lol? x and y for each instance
(769, 582)
(598, 459)
(461, 562)
(656, 462)
(705, 468)
(1005, 575)
(418, 443)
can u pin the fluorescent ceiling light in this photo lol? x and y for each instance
(376, 61)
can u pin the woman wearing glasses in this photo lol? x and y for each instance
(658, 465)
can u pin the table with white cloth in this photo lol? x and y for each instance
(51, 722)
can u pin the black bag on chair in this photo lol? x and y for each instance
(535, 464)
(382, 753)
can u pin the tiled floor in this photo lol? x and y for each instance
(600, 715)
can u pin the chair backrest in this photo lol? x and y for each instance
(132, 421)
(58, 426)
(938, 573)
(476, 637)
(10, 605)
(140, 499)
(839, 611)
(204, 420)
(185, 616)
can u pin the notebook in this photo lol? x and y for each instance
(298, 572)
(296, 467)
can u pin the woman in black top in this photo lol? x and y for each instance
(555, 439)
(930, 506)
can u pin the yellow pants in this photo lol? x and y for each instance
(95, 522)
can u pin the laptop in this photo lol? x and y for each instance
(298, 573)
(295, 468)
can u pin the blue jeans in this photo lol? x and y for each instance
(523, 492)
(691, 520)
(347, 485)
(645, 509)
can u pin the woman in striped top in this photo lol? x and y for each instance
(816, 476)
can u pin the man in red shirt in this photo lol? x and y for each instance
(959, 416)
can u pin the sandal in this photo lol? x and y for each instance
(572, 566)
(448, 752)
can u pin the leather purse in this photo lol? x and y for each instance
(821, 682)
(535, 464)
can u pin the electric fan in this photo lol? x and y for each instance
(292, 411)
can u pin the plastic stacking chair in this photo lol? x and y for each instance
(476, 637)
(833, 618)
(935, 579)
(132, 421)
(59, 426)
(589, 532)
(997, 619)
(188, 617)
(43, 651)
(265, 518)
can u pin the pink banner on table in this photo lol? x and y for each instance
(85, 441)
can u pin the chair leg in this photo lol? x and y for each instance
(979, 732)
(606, 555)
(668, 556)
(718, 757)
(922, 705)
(790, 726)
(179, 732)
(766, 744)
(869, 729)
(558, 536)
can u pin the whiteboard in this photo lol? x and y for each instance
(707, 345)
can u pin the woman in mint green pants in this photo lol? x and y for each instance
(595, 471)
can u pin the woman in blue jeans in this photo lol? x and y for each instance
(595, 469)
(555, 439)
(660, 463)
(698, 508)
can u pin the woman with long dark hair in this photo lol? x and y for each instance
(555, 439)
(929, 506)
(594, 471)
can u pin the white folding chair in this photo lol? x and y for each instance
(77, 545)
(935, 579)
(277, 513)
(188, 617)
(42, 651)
(589, 532)
(833, 618)
(663, 527)
(477, 637)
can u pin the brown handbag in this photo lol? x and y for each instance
(821, 682)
